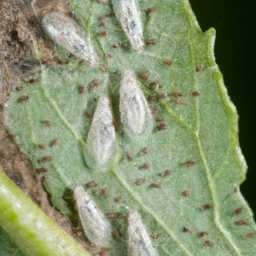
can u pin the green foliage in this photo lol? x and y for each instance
(200, 128)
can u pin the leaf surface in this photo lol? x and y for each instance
(200, 145)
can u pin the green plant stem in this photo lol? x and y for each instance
(30, 228)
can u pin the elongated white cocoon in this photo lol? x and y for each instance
(65, 32)
(133, 105)
(95, 225)
(139, 241)
(128, 14)
(102, 134)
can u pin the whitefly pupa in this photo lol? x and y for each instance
(65, 31)
(139, 241)
(133, 105)
(96, 226)
(128, 14)
(102, 136)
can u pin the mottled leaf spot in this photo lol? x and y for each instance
(23, 99)
(139, 181)
(187, 230)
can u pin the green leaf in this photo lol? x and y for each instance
(199, 145)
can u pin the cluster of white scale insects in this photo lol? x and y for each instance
(134, 112)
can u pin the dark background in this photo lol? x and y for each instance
(234, 21)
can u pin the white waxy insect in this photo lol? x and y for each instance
(128, 14)
(65, 32)
(102, 136)
(139, 241)
(96, 226)
(133, 105)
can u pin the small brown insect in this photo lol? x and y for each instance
(241, 222)
(92, 184)
(207, 206)
(238, 211)
(139, 181)
(104, 251)
(111, 215)
(13, 136)
(115, 234)
(103, 1)
(159, 119)
(179, 101)
(236, 188)
(166, 173)
(155, 235)
(23, 99)
(41, 170)
(186, 193)
(145, 151)
(103, 68)
(202, 234)
(208, 243)
(47, 122)
(161, 95)
(88, 115)
(145, 166)
(102, 24)
(154, 85)
(32, 81)
(161, 127)
(155, 185)
(110, 15)
(82, 90)
(195, 94)
(19, 88)
(47, 159)
(43, 147)
(103, 34)
(109, 56)
(54, 142)
(154, 111)
(45, 177)
(146, 75)
(251, 234)
(151, 41)
(151, 9)
(102, 191)
(190, 163)
(187, 230)
(119, 199)
(130, 155)
(168, 63)
(177, 94)
(117, 46)
(95, 84)
(200, 68)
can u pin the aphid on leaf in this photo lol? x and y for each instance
(47, 122)
(119, 199)
(129, 156)
(92, 184)
(47, 159)
(202, 234)
(133, 105)
(200, 68)
(19, 88)
(103, 68)
(138, 239)
(95, 84)
(155, 85)
(151, 9)
(54, 142)
(42, 147)
(177, 94)
(65, 31)
(109, 56)
(168, 63)
(103, 34)
(111, 215)
(103, 1)
(145, 166)
(46, 177)
(166, 173)
(109, 15)
(251, 234)
(155, 185)
(139, 181)
(13, 136)
(159, 119)
(32, 81)
(102, 136)
(187, 230)
(95, 224)
(238, 211)
(117, 46)
(186, 193)
(241, 222)
(190, 163)
(115, 234)
(102, 24)
(207, 206)
(128, 14)
(23, 99)
(151, 41)
(145, 151)
(41, 170)
(155, 235)
(82, 90)
(146, 75)
(161, 95)
(161, 127)
(88, 115)
(208, 243)
(102, 191)
(195, 94)
(179, 101)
